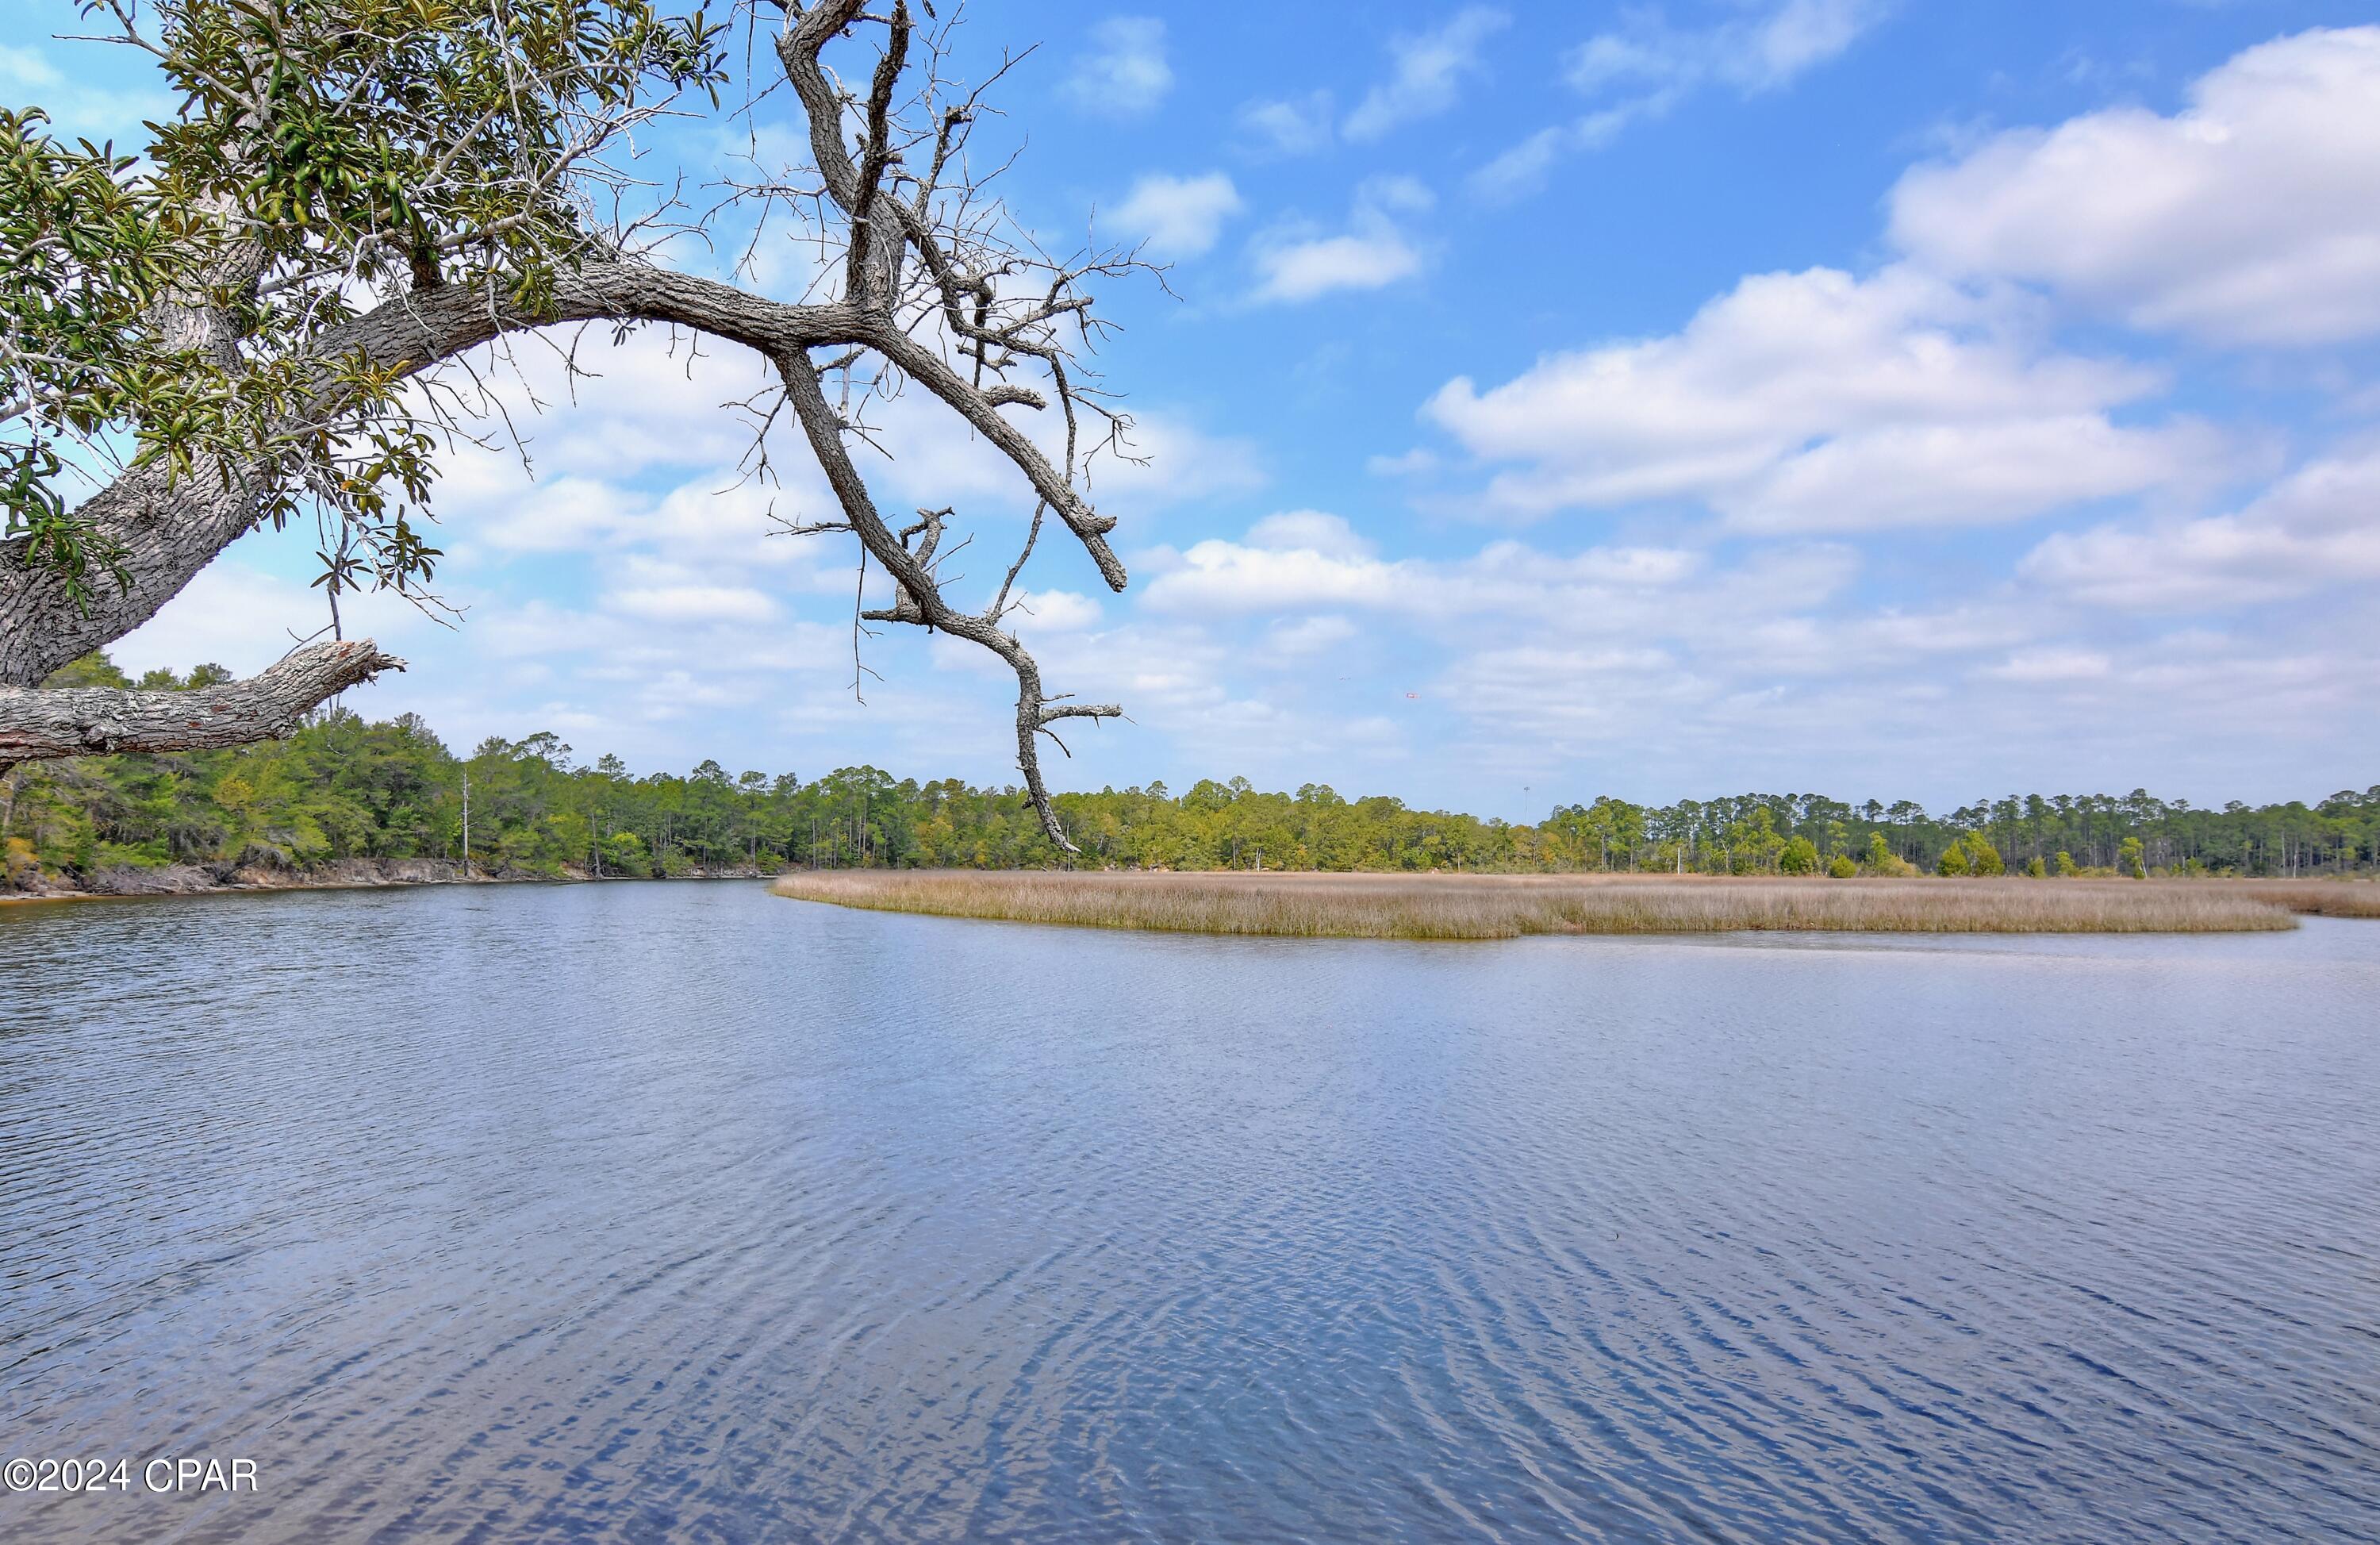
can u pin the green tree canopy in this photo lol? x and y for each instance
(255, 320)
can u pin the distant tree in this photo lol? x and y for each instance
(2036, 869)
(2066, 866)
(1841, 867)
(1982, 859)
(1798, 856)
(1954, 860)
(2128, 860)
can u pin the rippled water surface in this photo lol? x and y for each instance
(682, 1212)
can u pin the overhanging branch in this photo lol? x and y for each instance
(41, 724)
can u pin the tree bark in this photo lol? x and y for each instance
(171, 528)
(77, 721)
(988, 306)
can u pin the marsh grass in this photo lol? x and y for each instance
(2318, 898)
(1506, 906)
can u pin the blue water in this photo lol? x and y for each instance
(682, 1212)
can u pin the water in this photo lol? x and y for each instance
(683, 1212)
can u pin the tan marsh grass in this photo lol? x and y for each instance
(1506, 906)
(2318, 899)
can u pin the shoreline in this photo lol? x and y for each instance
(353, 874)
(1473, 906)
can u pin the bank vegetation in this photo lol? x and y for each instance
(1509, 906)
(343, 790)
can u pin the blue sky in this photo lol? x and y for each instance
(1911, 400)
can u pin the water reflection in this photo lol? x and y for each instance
(647, 1211)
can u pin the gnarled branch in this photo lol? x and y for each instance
(936, 286)
(37, 724)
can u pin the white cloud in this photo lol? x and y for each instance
(1311, 531)
(1647, 68)
(1296, 642)
(1818, 401)
(2317, 529)
(1307, 560)
(1963, 474)
(1373, 255)
(1523, 169)
(2038, 666)
(1180, 217)
(2248, 217)
(1124, 74)
(1290, 125)
(694, 603)
(1416, 462)
(234, 615)
(25, 69)
(1757, 53)
(645, 404)
(557, 515)
(1297, 263)
(1218, 578)
(1055, 611)
(1427, 74)
(76, 107)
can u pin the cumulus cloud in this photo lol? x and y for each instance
(1818, 401)
(2318, 528)
(1123, 74)
(694, 603)
(642, 405)
(1297, 263)
(2038, 666)
(1428, 70)
(1310, 561)
(1312, 531)
(241, 616)
(1055, 611)
(1179, 217)
(1292, 641)
(2248, 217)
(1965, 474)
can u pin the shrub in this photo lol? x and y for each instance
(1954, 859)
(1800, 856)
(1982, 856)
(2037, 870)
(1842, 868)
(2066, 870)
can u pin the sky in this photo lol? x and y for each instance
(1909, 400)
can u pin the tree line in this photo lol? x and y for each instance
(343, 788)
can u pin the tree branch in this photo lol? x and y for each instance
(37, 724)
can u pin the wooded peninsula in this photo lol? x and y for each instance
(343, 789)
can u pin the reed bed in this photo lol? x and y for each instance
(1507, 906)
(2316, 898)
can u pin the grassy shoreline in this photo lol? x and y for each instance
(186, 880)
(1507, 906)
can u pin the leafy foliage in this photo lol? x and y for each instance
(182, 309)
(344, 788)
(90, 248)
